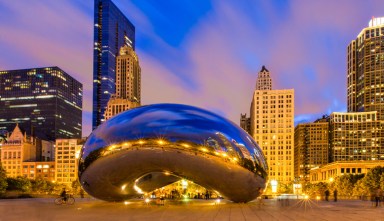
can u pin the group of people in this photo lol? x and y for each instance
(327, 193)
(376, 196)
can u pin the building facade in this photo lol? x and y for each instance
(356, 136)
(67, 155)
(45, 102)
(365, 59)
(327, 173)
(39, 170)
(245, 123)
(128, 83)
(311, 147)
(272, 127)
(112, 30)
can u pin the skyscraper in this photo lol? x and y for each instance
(311, 146)
(112, 30)
(128, 83)
(45, 102)
(272, 114)
(365, 70)
(264, 81)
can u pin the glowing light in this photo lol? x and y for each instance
(126, 203)
(138, 190)
(318, 197)
(185, 145)
(218, 201)
(204, 149)
(141, 142)
(224, 154)
(274, 186)
(123, 186)
(147, 200)
(167, 173)
(161, 142)
(306, 197)
(331, 179)
(235, 159)
(184, 183)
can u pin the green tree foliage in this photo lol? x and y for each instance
(40, 185)
(345, 184)
(285, 188)
(315, 189)
(19, 183)
(76, 186)
(3, 180)
(370, 183)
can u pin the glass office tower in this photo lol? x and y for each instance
(112, 30)
(45, 102)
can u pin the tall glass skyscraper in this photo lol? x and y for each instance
(45, 102)
(112, 30)
(365, 75)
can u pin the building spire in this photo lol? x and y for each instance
(264, 81)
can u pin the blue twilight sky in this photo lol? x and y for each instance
(204, 53)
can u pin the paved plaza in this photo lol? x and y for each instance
(94, 210)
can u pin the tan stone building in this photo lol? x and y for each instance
(128, 83)
(329, 172)
(35, 170)
(272, 127)
(311, 147)
(67, 155)
(18, 149)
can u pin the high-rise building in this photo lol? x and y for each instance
(356, 136)
(128, 83)
(272, 120)
(67, 154)
(264, 81)
(112, 30)
(365, 70)
(245, 123)
(311, 147)
(45, 102)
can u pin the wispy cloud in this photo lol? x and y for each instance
(209, 60)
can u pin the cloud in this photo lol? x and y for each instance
(214, 64)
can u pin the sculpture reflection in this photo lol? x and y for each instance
(152, 146)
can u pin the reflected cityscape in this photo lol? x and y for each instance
(263, 113)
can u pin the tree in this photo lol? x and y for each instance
(345, 184)
(39, 185)
(3, 180)
(370, 183)
(315, 189)
(19, 183)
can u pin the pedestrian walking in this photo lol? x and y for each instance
(326, 195)
(378, 195)
(335, 195)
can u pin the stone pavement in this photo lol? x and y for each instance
(94, 210)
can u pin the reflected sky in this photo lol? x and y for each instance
(176, 123)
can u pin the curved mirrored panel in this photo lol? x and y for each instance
(121, 157)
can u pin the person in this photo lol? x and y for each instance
(378, 196)
(81, 193)
(326, 195)
(63, 194)
(335, 195)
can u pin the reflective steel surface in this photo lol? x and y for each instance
(152, 146)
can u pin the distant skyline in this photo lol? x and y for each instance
(201, 53)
